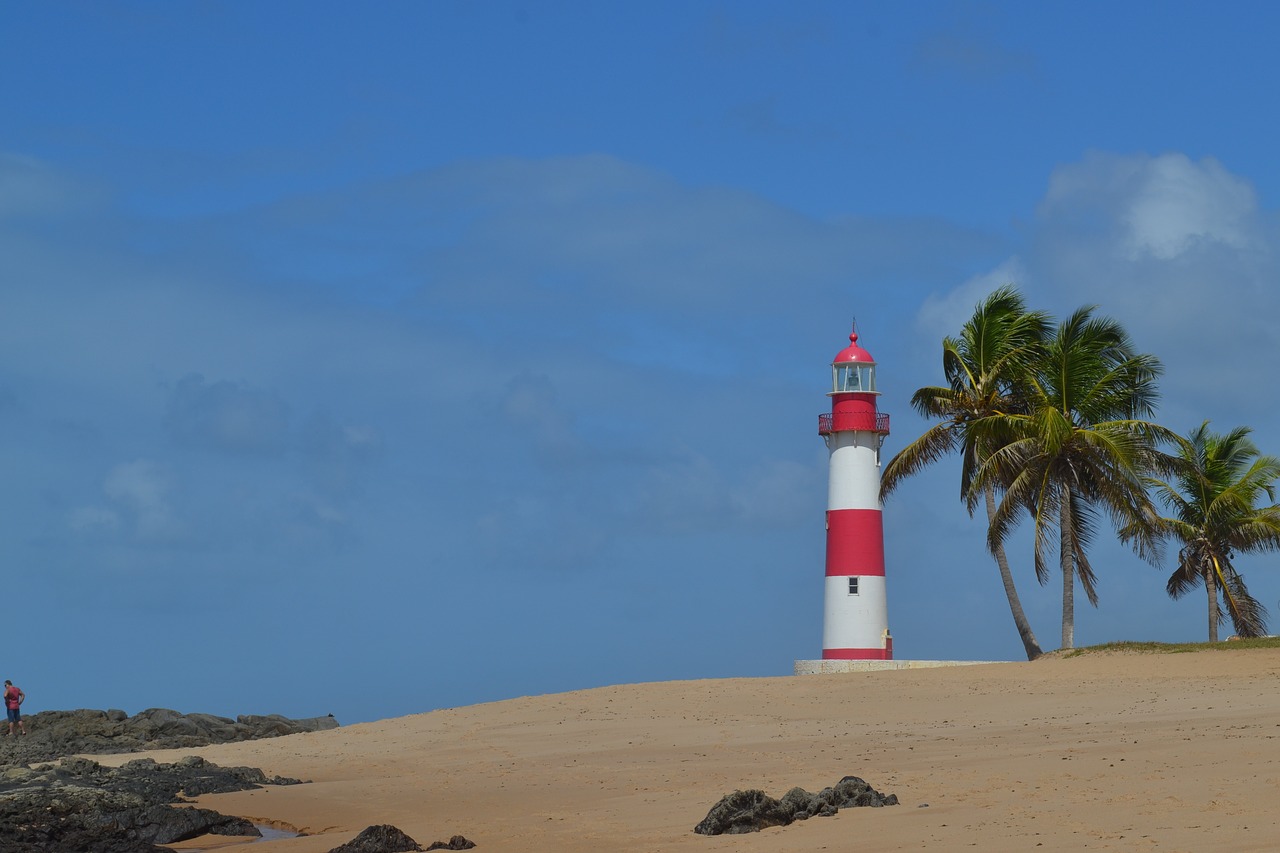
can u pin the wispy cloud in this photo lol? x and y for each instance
(972, 52)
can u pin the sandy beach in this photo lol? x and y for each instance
(1103, 751)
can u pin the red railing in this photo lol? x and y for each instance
(845, 421)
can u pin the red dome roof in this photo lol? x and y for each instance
(853, 352)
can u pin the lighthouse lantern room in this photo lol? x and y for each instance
(855, 624)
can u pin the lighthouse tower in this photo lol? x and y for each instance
(855, 623)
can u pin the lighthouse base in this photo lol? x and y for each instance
(822, 667)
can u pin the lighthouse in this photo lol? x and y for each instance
(855, 622)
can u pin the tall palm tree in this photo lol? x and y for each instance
(1213, 499)
(983, 367)
(1081, 448)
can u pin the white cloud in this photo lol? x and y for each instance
(227, 416)
(530, 402)
(92, 519)
(1180, 202)
(609, 291)
(337, 456)
(943, 314)
(142, 487)
(1175, 249)
(1154, 206)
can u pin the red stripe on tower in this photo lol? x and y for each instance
(855, 542)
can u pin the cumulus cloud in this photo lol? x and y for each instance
(337, 455)
(540, 347)
(142, 488)
(1180, 202)
(1153, 206)
(227, 416)
(1174, 248)
(530, 402)
(88, 520)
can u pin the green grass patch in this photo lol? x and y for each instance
(1176, 648)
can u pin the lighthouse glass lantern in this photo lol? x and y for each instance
(851, 376)
(855, 623)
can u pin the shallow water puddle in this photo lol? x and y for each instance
(269, 833)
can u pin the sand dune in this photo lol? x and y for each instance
(1127, 751)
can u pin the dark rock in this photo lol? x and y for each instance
(57, 733)
(751, 811)
(743, 811)
(274, 725)
(457, 842)
(379, 839)
(799, 803)
(164, 824)
(852, 791)
(79, 805)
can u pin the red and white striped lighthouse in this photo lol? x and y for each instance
(855, 623)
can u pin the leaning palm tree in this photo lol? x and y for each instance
(983, 368)
(1213, 498)
(1080, 450)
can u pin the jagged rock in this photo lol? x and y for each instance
(79, 806)
(852, 791)
(457, 842)
(379, 839)
(85, 732)
(751, 811)
(163, 824)
(743, 811)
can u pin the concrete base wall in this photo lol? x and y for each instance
(821, 667)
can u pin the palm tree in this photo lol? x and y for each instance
(982, 367)
(1081, 447)
(1213, 497)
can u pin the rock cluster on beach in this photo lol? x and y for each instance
(386, 838)
(79, 805)
(54, 734)
(751, 811)
(383, 838)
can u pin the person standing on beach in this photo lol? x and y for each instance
(13, 699)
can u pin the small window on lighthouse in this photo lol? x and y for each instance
(853, 586)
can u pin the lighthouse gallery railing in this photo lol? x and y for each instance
(829, 423)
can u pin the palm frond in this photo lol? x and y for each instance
(937, 442)
(1248, 615)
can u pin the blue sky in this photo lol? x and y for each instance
(373, 359)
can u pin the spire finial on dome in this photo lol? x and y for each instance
(853, 333)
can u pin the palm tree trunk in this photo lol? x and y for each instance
(1066, 557)
(1029, 643)
(1211, 587)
